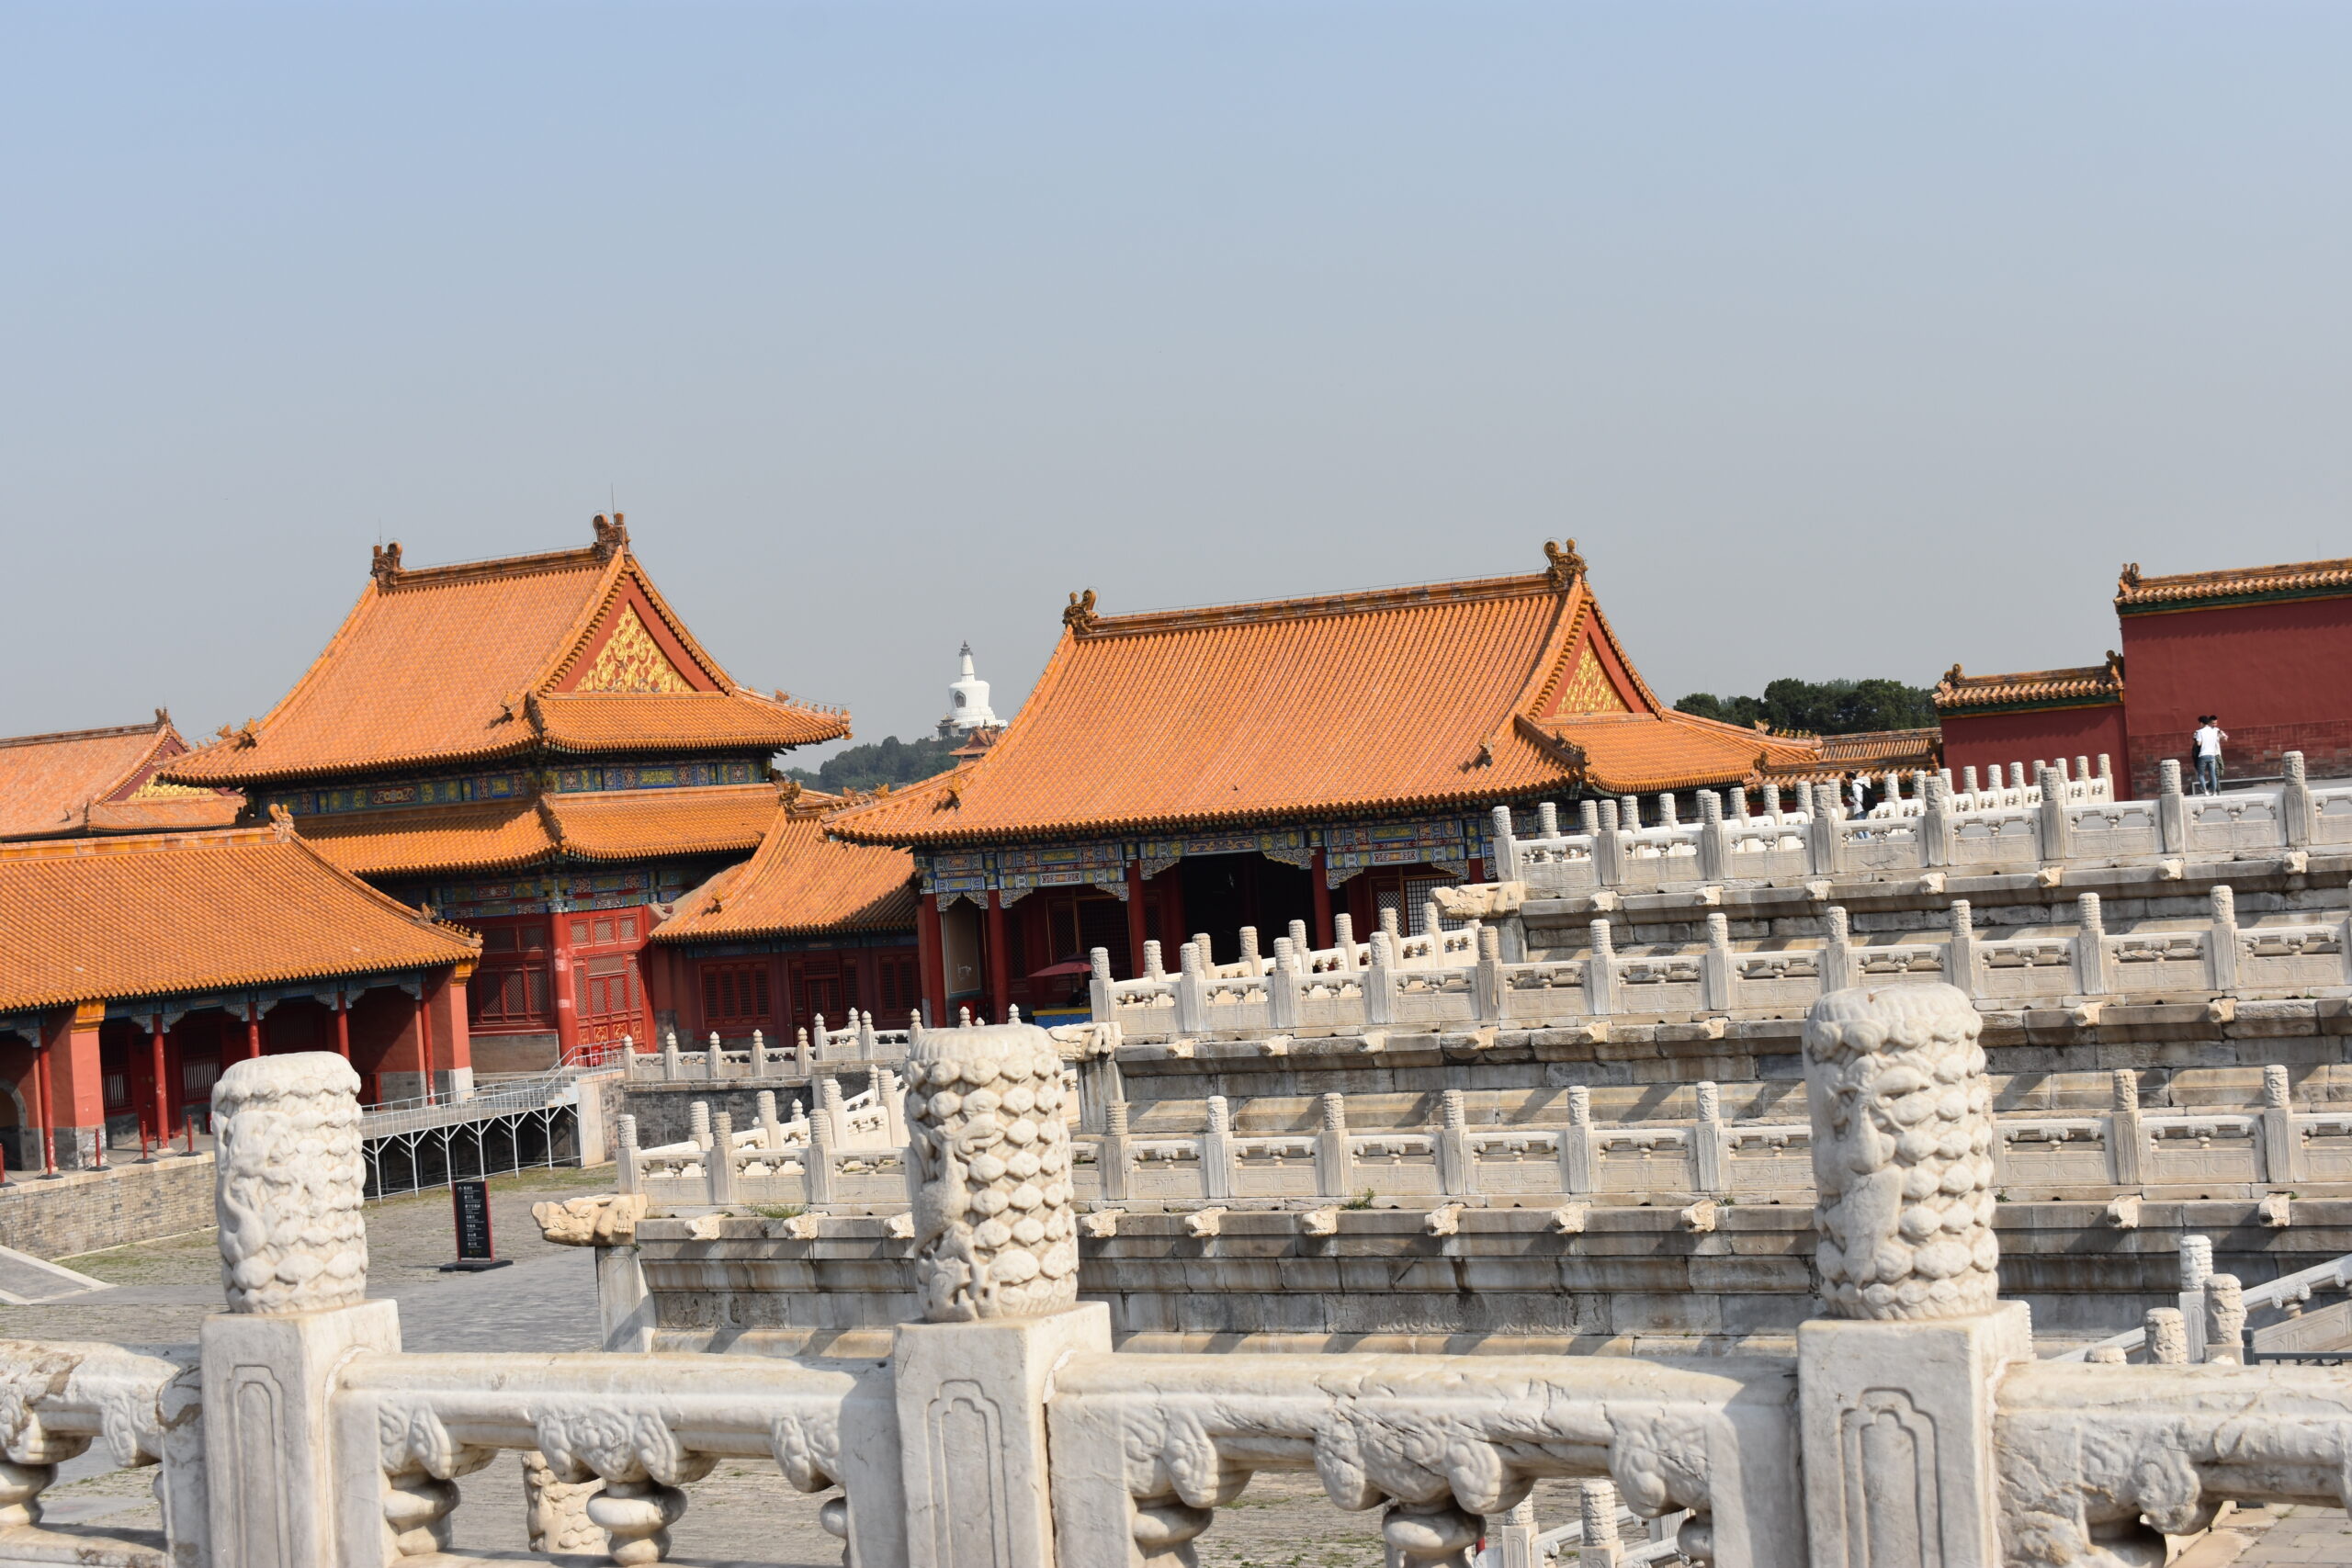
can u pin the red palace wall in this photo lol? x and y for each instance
(1997, 739)
(2280, 676)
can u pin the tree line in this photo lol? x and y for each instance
(1823, 707)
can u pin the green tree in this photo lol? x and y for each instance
(1823, 707)
(888, 760)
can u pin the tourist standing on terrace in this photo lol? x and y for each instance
(2209, 736)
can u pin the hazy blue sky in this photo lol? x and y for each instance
(1847, 339)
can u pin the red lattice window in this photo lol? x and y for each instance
(736, 996)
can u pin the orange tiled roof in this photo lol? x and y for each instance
(1394, 701)
(490, 659)
(2188, 590)
(633, 823)
(620, 721)
(507, 835)
(97, 781)
(162, 916)
(800, 883)
(2082, 686)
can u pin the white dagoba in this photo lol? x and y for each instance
(968, 703)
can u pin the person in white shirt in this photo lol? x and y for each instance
(1858, 794)
(2209, 736)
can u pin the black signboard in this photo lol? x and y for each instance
(470, 1200)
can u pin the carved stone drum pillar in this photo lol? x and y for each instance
(1897, 1382)
(996, 1268)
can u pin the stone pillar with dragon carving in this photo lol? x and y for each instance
(996, 1270)
(1898, 1381)
(294, 1265)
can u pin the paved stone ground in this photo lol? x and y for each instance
(2274, 1538)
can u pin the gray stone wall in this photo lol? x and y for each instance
(82, 1212)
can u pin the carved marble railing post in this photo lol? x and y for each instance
(2172, 807)
(1715, 965)
(2053, 826)
(1579, 1157)
(1505, 867)
(1714, 838)
(673, 1065)
(714, 1061)
(625, 1178)
(1601, 973)
(770, 1129)
(1836, 950)
(1710, 1143)
(1596, 1526)
(1380, 979)
(2283, 1162)
(2223, 945)
(1512, 1538)
(1114, 1156)
(996, 1270)
(1098, 983)
(698, 1123)
(763, 1064)
(1216, 1152)
(1282, 985)
(294, 1265)
(802, 1062)
(2297, 818)
(2090, 947)
(2196, 1253)
(2126, 1139)
(1487, 993)
(1821, 831)
(1897, 1383)
(1192, 989)
(721, 1160)
(816, 1159)
(1334, 1157)
(1457, 1177)
(1961, 967)
(1607, 846)
(2224, 1320)
(1936, 822)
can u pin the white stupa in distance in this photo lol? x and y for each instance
(968, 703)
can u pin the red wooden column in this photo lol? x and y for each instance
(931, 957)
(1173, 934)
(1137, 934)
(253, 1030)
(567, 1011)
(41, 1111)
(1000, 961)
(163, 1082)
(425, 1037)
(1324, 935)
(343, 1023)
(76, 1112)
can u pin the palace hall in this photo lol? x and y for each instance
(538, 749)
(1204, 770)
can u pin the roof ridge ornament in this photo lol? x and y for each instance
(1567, 564)
(612, 537)
(385, 567)
(2129, 577)
(281, 823)
(1080, 615)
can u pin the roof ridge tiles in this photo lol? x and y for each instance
(105, 732)
(1244, 611)
(412, 577)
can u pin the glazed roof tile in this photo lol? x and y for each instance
(800, 883)
(627, 721)
(463, 663)
(507, 835)
(2295, 580)
(2084, 684)
(212, 911)
(97, 781)
(1393, 702)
